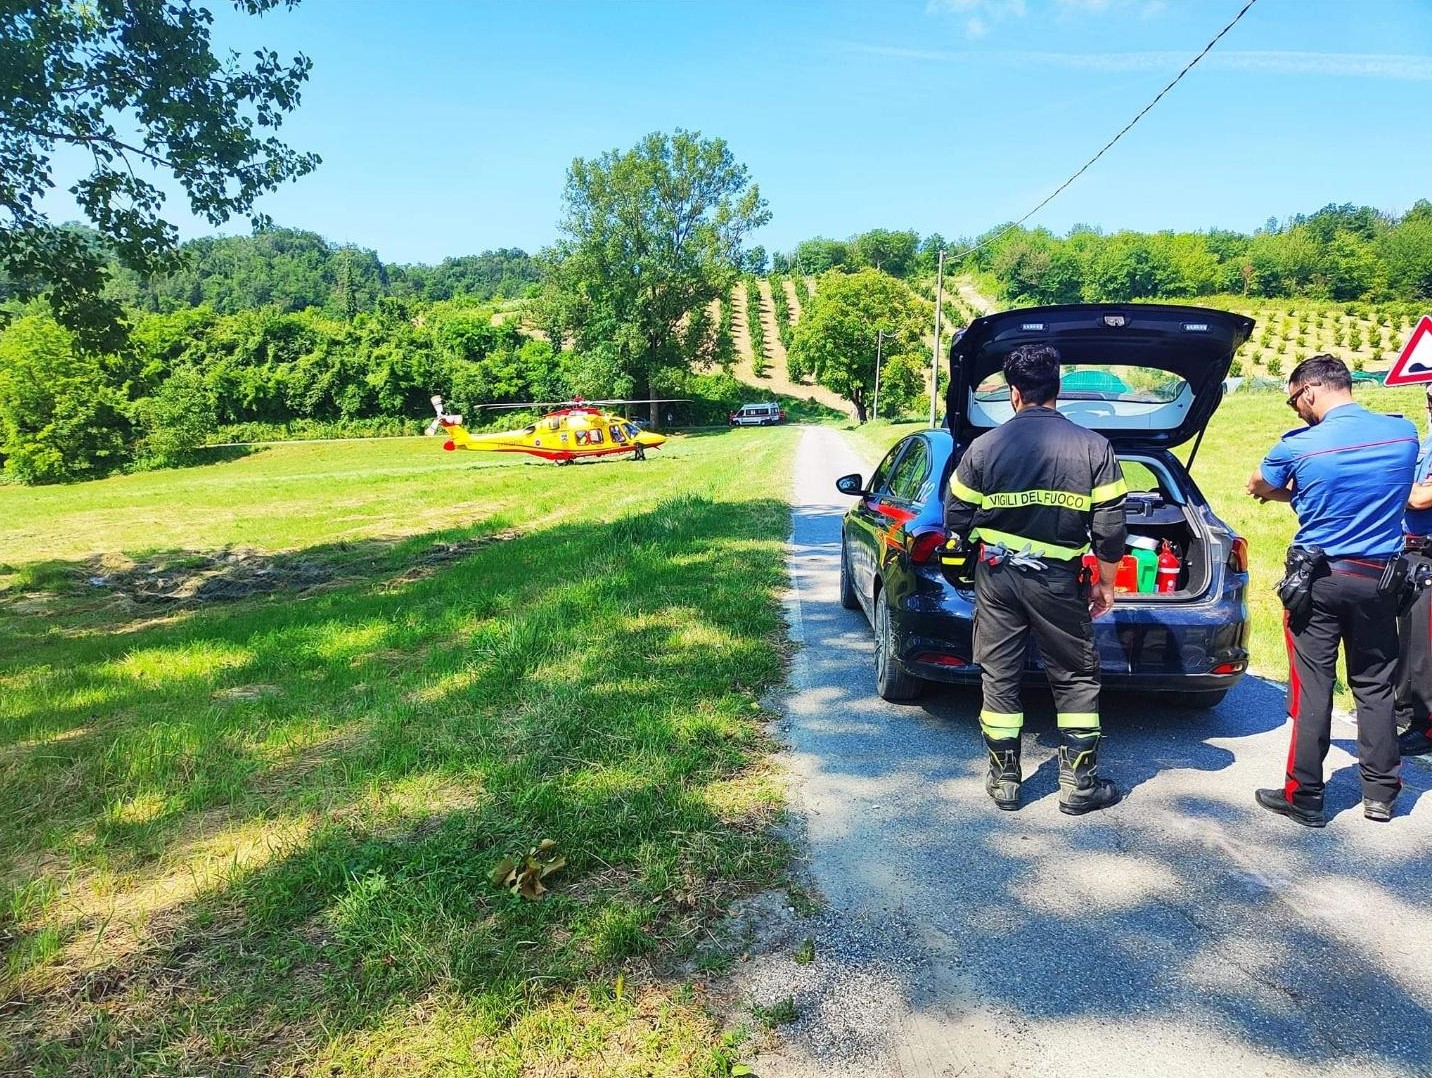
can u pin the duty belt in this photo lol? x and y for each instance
(1417, 544)
(1371, 568)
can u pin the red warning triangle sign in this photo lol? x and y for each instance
(1414, 365)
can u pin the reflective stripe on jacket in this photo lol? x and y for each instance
(1042, 481)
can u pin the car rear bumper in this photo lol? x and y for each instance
(1192, 648)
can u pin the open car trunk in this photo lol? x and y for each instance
(1158, 508)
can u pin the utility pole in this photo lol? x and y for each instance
(935, 360)
(879, 337)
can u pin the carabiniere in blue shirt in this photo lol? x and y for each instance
(1419, 521)
(1350, 475)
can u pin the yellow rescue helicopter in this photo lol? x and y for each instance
(574, 429)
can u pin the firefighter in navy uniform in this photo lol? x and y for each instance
(1031, 493)
(1413, 694)
(1347, 475)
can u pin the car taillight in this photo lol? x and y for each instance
(939, 658)
(923, 544)
(1238, 556)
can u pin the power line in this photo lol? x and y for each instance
(1108, 145)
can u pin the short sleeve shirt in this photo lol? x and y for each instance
(1350, 475)
(1419, 521)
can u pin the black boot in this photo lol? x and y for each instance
(1002, 782)
(1081, 789)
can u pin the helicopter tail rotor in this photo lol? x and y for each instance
(443, 419)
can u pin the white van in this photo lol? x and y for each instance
(758, 415)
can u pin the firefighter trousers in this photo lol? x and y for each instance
(1010, 604)
(1347, 611)
(1413, 694)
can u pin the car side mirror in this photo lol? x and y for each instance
(850, 484)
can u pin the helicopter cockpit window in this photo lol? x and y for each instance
(617, 436)
(631, 430)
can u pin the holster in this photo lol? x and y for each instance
(1416, 580)
(1295, 590)
(1394, 578)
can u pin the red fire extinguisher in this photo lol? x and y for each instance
(1168, 568)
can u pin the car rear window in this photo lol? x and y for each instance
(1140, 477)
(1100, 381)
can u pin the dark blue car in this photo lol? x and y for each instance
(1147, 377)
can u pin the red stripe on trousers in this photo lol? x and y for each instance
(1295, 705)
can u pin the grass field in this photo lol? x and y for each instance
(1241, 432)
(268, 726)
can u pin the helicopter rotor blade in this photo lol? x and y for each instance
(580, 403)
(645, 400)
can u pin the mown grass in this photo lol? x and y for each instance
(257, 835)
(1240, 434)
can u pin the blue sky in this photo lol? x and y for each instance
(446, 128)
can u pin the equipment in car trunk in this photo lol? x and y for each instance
(1169, 567)
(1126, 579)
(1145, 554)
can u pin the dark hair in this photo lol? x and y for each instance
(1329, 370)
(1033, 369)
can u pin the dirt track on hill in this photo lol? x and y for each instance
(776, 379)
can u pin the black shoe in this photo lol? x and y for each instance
(1414, 743)
(1381, 811)
(1274, 801)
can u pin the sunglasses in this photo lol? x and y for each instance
(1292, 401)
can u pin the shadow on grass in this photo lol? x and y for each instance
(223, 454)
(237, 833)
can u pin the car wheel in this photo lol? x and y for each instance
(848, 598)
(891, 681)
(1198, 701)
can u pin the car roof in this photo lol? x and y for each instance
(1194, 345)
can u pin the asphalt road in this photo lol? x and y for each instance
(1183, 932)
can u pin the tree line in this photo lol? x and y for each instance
(294, 270)
(1341, 253)
(192, 377)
